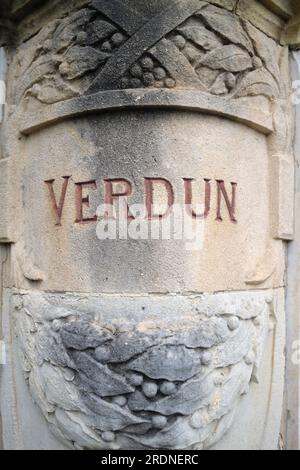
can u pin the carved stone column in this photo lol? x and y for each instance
(146, 343)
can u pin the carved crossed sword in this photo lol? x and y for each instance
(146, 32)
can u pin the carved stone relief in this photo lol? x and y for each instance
(138, 377)
(113, 45)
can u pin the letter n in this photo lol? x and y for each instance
(231, 205)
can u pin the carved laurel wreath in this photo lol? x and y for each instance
(158, 383)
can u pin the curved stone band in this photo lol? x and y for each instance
(163, 99)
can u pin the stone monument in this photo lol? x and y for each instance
(141, 342)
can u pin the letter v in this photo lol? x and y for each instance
(58, 209)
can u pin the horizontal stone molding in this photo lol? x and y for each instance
(283, 8)
(149, 99)
(263, 12)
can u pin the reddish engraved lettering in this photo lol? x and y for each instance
(111, 196)
(58, 208)
(120, 189)
(231, 205)
(149, 189)
(82, 201)
(189, 198)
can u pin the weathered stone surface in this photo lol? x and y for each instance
(283, 8)
(261, 18)
(5, 231)
(185, 100)
(291, 34)
(151, 103)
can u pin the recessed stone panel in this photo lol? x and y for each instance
(136, 146)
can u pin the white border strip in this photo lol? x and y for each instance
(2, 81)
(293, 300)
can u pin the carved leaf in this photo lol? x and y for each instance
(98, 31)
(201, 36)
(80, 60)
(26, 264)
(159, 363)
(103, 380)
(70, 423)
(207, 76)
(51, 349)
(258, 82)
(70, 27)
(219, 87)
(68, 396)
(267, 50)
(54, 89)
(227, 25)
(187, 399)
(108, 416)
(228, 58)
(84, 335)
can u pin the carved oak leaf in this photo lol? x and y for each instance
(53, 89)
(223, 84)
(71, 424)
(84, 335)
(69, 28)
(25, 265)
(256, 83)
(80, 60)
(219, 87)
(159, 362)
(66, 397)
(228, 58)
(98, 31)
(190, 397)
(207, 76)
(109, 416)
(99, 377)
(266, 49)
(200, 36)
(51, 349)
(41, 43)
(227, 25)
